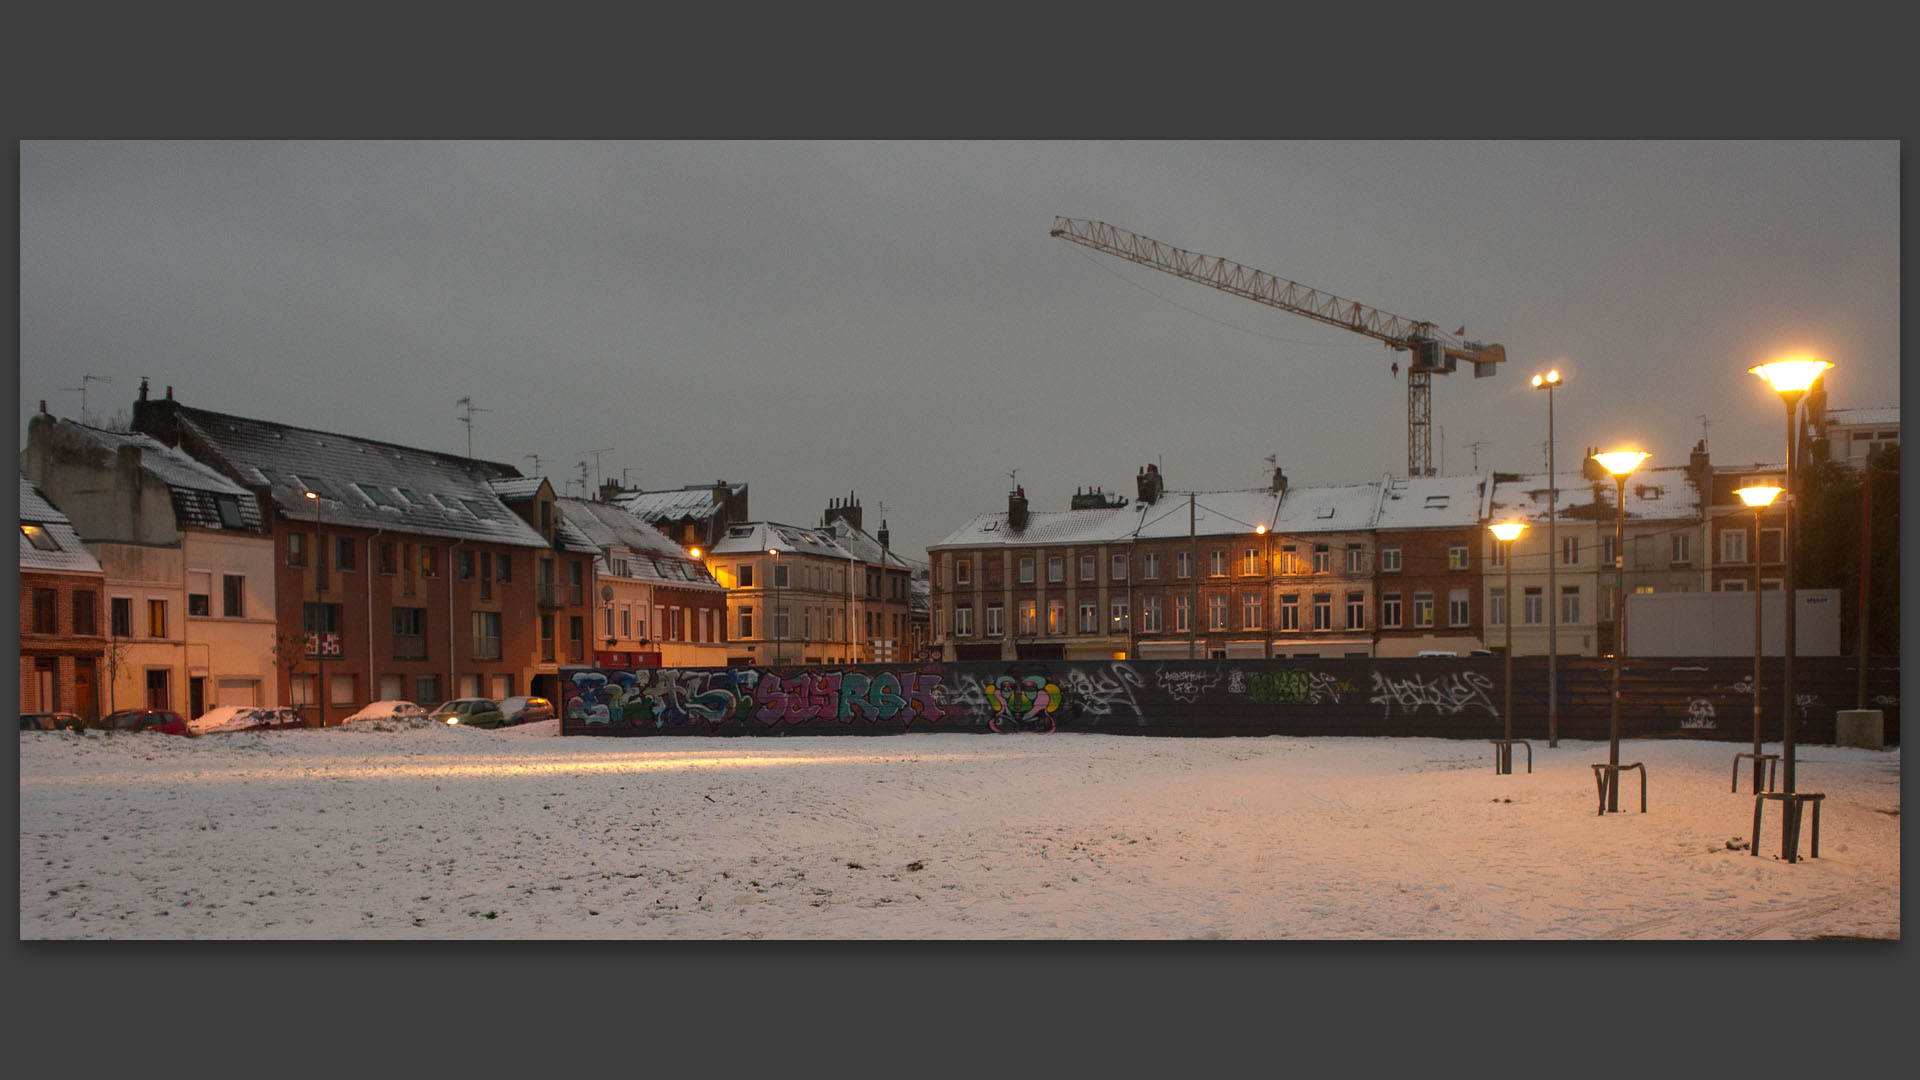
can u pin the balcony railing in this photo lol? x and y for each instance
(549, 597)
(410, 646)
(546, 650)
(486, 648)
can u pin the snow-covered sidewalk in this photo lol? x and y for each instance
(421, 831)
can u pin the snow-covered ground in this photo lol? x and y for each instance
(413, 830)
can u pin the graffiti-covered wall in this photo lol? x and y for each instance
(1441, 698)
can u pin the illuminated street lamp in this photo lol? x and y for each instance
(1791, 379)
(1759, 497)
(1547, 382)
(774, 615)
(1507, 532)
(1266, 590)
(1621, 464)
(320, 602)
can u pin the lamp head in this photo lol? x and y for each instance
(314, 495)
(1551, 378)
(1793, 375)
(1260, 530)
(695, 552)
(775, 552)
(1621, 462)
(1508, 531)
(1758, 495)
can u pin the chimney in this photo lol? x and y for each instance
(169, 393)
(1017, 509)
(883, 534)
(837, 510)
(1279, 484)
(1591, 469)
(143, 389)
(608, 489)
(1148, 484)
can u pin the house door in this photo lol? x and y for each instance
(196, 695)
(85, 702)
(158, 695)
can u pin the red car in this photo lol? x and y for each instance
(164, 721)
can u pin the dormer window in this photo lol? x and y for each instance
(1324, 512)
(229, 508)
(318, 487)
(39, 537)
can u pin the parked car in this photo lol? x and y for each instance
(526, 710)
(470, 712)
(50, 721)
(223, 718)
(388, 710)
(165, 721)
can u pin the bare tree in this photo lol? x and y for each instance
(290, 656)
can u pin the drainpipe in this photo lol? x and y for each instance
(453, 575)
(372, 680)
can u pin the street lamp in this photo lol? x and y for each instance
(1547, 382)
(320, 602)
(1759, 497)
(1621, 464)
(1266, 591)
(774, 615)
(1790, 378)
(1507, 532)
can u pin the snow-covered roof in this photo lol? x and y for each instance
(1334, 508)
(516, 487)
(67, 555)
(1214, 513)
(787, 539)
(865, 548)
(1093, 525)
(1421, 502)
(650, 555)
(364, 483)
(695, 501)
(197, 489)
(1878, 416)
(1657, 494)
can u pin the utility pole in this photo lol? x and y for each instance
(1475, 447)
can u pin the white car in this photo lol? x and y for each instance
(388, 710)
(243, 718)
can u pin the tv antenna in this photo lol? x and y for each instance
(536, 459)
(596, 463)
(623, 475)
(584, 491)
(1475, 447)
(1703, 428)
(82, 388)
(467, 403)
(1013, 476)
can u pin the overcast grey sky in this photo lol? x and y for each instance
(893, 319)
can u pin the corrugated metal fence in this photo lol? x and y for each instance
(1455, 698)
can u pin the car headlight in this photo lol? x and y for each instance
(453, 719)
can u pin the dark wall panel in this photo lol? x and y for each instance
(1457, 698)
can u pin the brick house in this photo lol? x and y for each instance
(655, 605)
(62, 638)
(1432, 555)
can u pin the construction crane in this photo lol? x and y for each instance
(1431, 353)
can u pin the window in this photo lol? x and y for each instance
(1289, 611)
(1056, 568)
(1356, 611)
(199, 590)
(1569, 605)
(963, 621)
(1606, 551)
(576, 580)
(1150, 612)
(1056, 616)
(1497, 607)
(1026, 569)
(1390, 609)
(233, 596)
(1289, 563)
(1120, 618)
(608, 632)
(320, 618)
(426, 688)
(546, 635)
(466, 564)
(374, 495)
(1183, 613)
(1217, 562)
(1089, 618)
(1423, 609)
(1151, 569)
(1119, 568)
(1216, 612)
(486, 634)
(409, 633)
(1458, 610)
(1321, 559)
(39, 537)
(1498, 558)
(1250, 562)
(343, 553)
(1570, 551)
(121, 609)
(1770, 545)
(156, 618)
(1029, 618)
(1323, 611)
(85, 617)
(429, 560)
(1456, 556)
(1354, 559)
(1532, 606)
(1390, 558)
(745, 575)
(780, 576)
(577, 636)
(296, 549)
(503, 569)
(46, 619)
(962, 574)
(1086, 568)
(1183, 565)
(1250, 610)
(746, 620)
(387, 565)
(1682, 548)
(996, 621)
(1733, 546)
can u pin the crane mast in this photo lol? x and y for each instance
(1430, 353)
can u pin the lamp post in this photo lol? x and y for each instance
(1790, 378)
(1621, 464)
(1547, 382)
(320, 602)
(1759, 497)
(1266, 589)
(1507, 532)
(774, 615)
